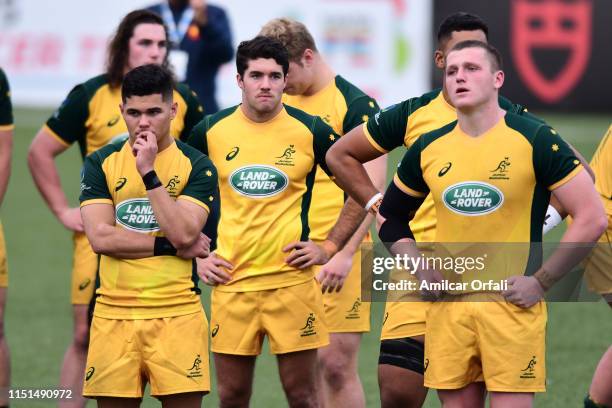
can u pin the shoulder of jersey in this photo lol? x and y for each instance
(95, 83)
(348, 90)
(525, 125)
(109, 149)
(213, 119)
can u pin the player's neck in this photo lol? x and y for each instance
(259, 117)
(478, 120)
(164, 143)
(322, 76)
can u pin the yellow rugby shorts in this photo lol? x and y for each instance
(170, 353)
(84, 269)
(491, 341)
(292, 317)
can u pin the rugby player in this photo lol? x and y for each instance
(148, 324)
(313, 87)
(267, 155)
(6, 149)
(598, 269)
(401, 361)
(90, 116)
(496, 344)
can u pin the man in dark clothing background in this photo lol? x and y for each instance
(202, 43)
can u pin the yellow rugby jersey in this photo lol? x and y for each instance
(491, 188)
(266, 175)
(403, 123)
(6, 108)
(158, 286)
(90, 115)
(343, 106)
(602, 166)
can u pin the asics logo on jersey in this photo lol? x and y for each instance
(113, 121)
(215, 330)
(84, 284)
(136, 214)
(258, 181)
(445, 169)
(472, 198)
(120, 183)
(90, 373)
(233, 153)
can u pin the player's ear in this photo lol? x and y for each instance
(239, 81)
(439, 59)
(498, 79)
(173, 110)
(308, 57)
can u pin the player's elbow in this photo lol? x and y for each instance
(182, 239)
(600, 225)
(334, 158)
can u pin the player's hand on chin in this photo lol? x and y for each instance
(305, 254)
(145, 150)
(333, 274)
(210, 270)
(199, 249)
(523, 291)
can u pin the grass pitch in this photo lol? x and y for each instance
(39, 314)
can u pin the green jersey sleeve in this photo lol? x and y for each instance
(388, 127)
(358, 112)
(323, 138)
(197, 137)
(68, 121)
(202, 184)
(93, 180)
(6, 108)
(553, 159)
(409, 171)
(195, 111)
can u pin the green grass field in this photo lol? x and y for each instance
(39, 322)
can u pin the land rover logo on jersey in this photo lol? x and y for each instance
(136, 214)
(258, 181)
(472, 198)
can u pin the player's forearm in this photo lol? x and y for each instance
(351, 216)
(355, 241)
(578, 240)
(112, 241)
(6, 147)
(180, 227)
(46, 178)
(349, 174)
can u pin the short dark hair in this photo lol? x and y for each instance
(119, 50)
(146, 80)
(492, 52)
(261, 47)
(461, 21)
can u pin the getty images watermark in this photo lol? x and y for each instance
(459, 269)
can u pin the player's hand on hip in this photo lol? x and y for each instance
(199, 249)
(71, 219)
(305, 254)
(523, 291)
(333, 274)
(145, 150)
(211, 271)
(429, 276)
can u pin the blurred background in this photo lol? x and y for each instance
(557, 58)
